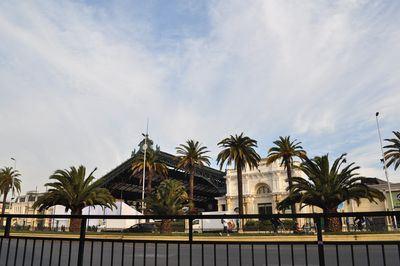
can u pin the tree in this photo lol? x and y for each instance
(328, 186)
(9, 181)
(239, 150)
(169, 199)
(74, 191)
(392, 154)
(190, 156)
(285, 151)
(153, 167)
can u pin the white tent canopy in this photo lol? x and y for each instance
(121, 209)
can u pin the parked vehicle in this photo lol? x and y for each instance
(141, 228)
(214, 225)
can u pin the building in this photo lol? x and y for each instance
(7, 209)
(23, 205)
(263, 188)
(209, 182)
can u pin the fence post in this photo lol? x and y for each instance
(321, 254)
(8, 227)
(82, 241)
(190, 229)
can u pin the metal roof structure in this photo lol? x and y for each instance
(209, 182)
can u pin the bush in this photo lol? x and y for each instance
(266, 225)
(252, 225)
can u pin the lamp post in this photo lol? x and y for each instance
(385, 169)
(144, 164)
(12, 183)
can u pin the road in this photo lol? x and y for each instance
(43, 252)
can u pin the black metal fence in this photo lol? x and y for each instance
(289, 247)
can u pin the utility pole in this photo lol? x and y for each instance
(385, 169)
(144, 164)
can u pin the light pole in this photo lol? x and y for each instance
(144, 164)
(12, 183)
(385, 169)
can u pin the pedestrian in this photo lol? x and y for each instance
(359, 220)
(276, 223)
(225, 225)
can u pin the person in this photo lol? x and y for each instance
(348, 223)
(359, 220)
(276, 222)
(296, 228)
(225, 225)
(368, 224)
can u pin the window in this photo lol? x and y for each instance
(223, 207)
(263, 189)
(265, 208)
(31, 198)
(22, 199)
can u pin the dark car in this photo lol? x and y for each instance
(141, 228)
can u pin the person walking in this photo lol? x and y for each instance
(225, 225)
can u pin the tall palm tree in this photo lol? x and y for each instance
(392, 154)
(169, 199)
(192, 155)
(9, 181)
(73, 190)
(328, 186)
(285, 150)
(239, 150)
(153, 167)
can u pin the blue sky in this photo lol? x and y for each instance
(79, 78)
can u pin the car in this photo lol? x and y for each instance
(141, 228)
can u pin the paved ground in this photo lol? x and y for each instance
(43, 252)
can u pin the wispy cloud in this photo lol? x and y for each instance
(77, 81)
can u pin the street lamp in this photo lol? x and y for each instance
(12, 183)
(385, 168)
(144, 163)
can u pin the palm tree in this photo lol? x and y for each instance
(73, 190)
(190, 156)
(153, 167)
(285, 151)
(239, 150)
(392, 154)
(328, 186)
(9, 181)
(169, 199)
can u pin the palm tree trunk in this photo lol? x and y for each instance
(149, 181)
(332, 224)
(165, 226)
(3, 208)
(75, 223)
(191, 192)
(289, 176)
(240, 196)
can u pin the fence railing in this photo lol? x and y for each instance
(193, 245)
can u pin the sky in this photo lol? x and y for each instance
(78, 79)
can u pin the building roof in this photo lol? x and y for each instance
(383, 186)
(209, 182)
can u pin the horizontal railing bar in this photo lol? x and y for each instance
(211, 242)
(362, 242)
(207, 216)
(160, 241)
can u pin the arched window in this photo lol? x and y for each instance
(263, 189)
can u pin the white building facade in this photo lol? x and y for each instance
(263, 188)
